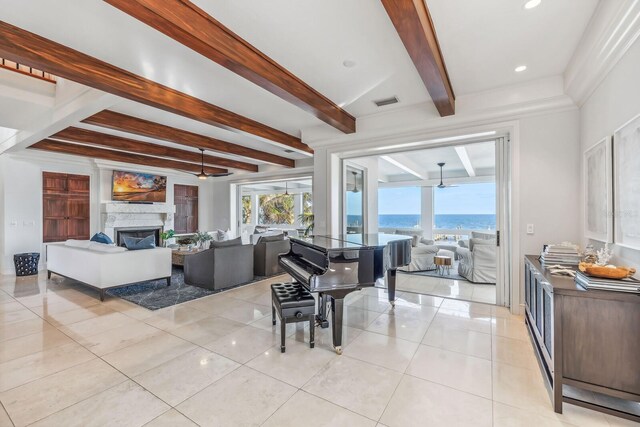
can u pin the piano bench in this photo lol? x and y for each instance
(293, 304)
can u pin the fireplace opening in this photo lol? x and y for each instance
(121, 233)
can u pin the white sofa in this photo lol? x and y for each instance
(102, 268)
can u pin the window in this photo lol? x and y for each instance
(246, 209)
(307, 204)
(466, 207)
(399, 207)
(276, 209)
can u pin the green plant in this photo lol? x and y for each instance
(202, 236)
(307, 220)
(276, 209)
(167, 234)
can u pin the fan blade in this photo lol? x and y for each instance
(220, 175)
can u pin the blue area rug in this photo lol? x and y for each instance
(155, 294)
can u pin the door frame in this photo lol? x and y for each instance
(365, 195)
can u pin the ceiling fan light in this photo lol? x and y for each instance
(202, 176)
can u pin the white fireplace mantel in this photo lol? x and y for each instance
(135, 215)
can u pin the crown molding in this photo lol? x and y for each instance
(613, 29)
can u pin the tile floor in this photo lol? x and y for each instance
(447, 288)
(66, 359)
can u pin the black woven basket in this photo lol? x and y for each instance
(26, 264)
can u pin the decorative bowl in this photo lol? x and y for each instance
(605, 272)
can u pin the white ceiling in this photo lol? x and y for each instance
(484, 40)
(425, 163)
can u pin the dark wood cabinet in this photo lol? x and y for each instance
(185, 197)
(66, 207)
(587, 342)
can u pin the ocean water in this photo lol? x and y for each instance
(448, 221)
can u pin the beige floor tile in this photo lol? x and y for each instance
(5, 421)
(77, 315)
(219, 405)
(214, 304)
(127, 308)
(509, 416)
(125, 404)
(246, 312)
(324, 337)
(9, 306)
(118, 338)
(291, 328)
(497, 311)
(296, 366)
(62, 306)
(244, 344)
(317, 412)
(171, 418)
(520, 387)
(37, 365)
(459, 340)
(358, 386)
(513, 352)
(484, 293)
(465, 373)
(409, 298)
(619, 422)
(467, 307)
(174, 317)
(184, 376)
(96, 325)
(148, 354)
(247, 292)
(208, 329)
(510, 328)
(358, 318)
(389, 352)
(20, 314)
(20, 329)
(33, 343)
(263, 298)
(371, 303)
(455, 289)
(462, 320)
(41, 398)
(420, 402)
(408, 323)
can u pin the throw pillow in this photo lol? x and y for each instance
(222, 236)
(426, 241)
(102, 238)
(477, 241)
(137, 243)
(274, 238)
(233, 242)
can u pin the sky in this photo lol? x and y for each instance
(463, 200)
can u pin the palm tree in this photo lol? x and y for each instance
(276, 209)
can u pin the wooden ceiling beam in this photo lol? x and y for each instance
(191, 26)
(38, 52)
(90, 137)
(414, 26)
(118, 156)
(124, 123)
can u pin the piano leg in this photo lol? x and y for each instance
(391, 285)
(336, 318)
(321, 318)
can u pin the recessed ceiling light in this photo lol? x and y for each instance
(348, 63)
(532, 3)
(520, 68)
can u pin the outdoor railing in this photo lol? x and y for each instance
(29, 71)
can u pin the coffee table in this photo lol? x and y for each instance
(443, 263)
(177, 256)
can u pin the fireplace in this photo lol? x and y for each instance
(121, 233)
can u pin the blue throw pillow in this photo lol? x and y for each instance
(102, 238)
(137, 243)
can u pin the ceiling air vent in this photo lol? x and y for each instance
(386, 101)
(288, 151)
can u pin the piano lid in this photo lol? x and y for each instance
(350, 241)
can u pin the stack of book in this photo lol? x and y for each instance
(619, 285)
(564, 255)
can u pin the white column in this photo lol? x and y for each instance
(297, 209)
(427, 219)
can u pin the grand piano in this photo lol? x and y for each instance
(336, 266)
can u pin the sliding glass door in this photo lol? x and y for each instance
(354, 218)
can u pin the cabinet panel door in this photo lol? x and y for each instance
(54, 224)
(78, 184)
(186, 201)
(54, 183)
(78, 211)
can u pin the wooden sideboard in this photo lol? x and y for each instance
(587, 342)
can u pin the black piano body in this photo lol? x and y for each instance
(337, 266)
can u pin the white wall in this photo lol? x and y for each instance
(613, 103)
(21, 197)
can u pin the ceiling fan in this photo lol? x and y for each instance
(441, 185)
(203, 175)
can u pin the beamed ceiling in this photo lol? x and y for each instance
(241, 80)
